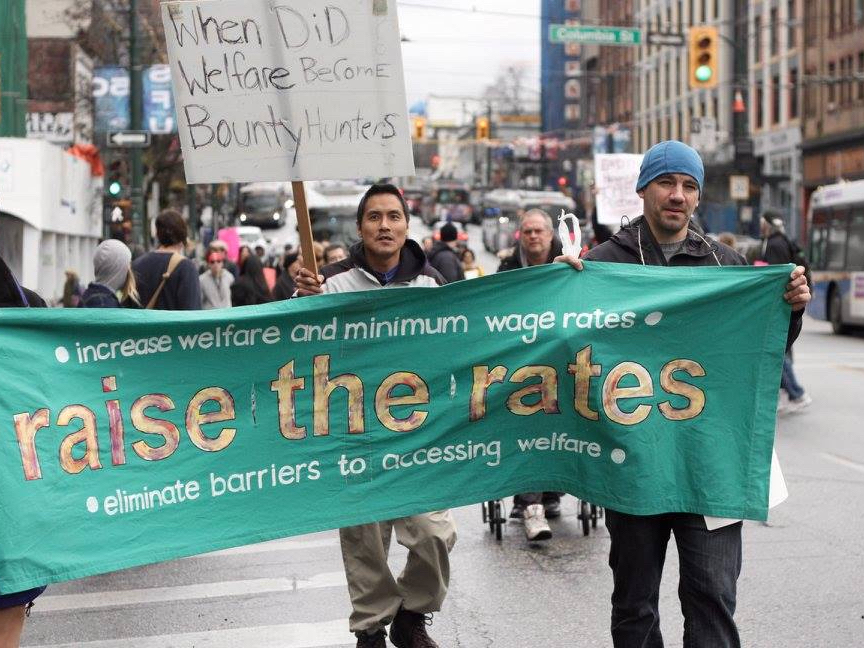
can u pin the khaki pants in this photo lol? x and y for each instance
(375, 595)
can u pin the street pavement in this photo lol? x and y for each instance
(802, 582)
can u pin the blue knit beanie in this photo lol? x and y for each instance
(670, 156)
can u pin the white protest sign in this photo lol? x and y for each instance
(615, 176)
(288, 90)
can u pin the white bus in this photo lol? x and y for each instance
(835, 222)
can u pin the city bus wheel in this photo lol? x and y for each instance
(835, 313)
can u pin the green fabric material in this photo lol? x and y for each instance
(255, 481)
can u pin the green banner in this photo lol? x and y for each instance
(131, 437)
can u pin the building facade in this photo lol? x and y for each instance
(774, 80)
(833, 93)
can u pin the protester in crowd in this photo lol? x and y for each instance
(537, 245)
(427, 243)
(443, 256)
(166, 279)
(71, 290)
(470, 266)
(727, 239)
(114, 282)
(386, 258)
(218, 245)
(778, 248)
(285, 286)
(334, 252)
(670, 184)
(319, 253)
(216, 283)
(251, 286)
(14, 606)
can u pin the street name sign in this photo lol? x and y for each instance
(595, 35)
(129, 139)
(659, 38)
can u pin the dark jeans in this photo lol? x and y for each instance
(789, 382)
(709, 563)
(527, 499)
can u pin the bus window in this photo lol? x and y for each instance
(855, 251)
(836, 249)
(819, 239)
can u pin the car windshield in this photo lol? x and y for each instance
(258, 202)
(250, 237)
(452, 196)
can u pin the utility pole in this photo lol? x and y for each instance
(140, 229)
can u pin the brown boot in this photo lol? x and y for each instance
(408, 630)
(366, 640)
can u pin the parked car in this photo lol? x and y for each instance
(447, 202)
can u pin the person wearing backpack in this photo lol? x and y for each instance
(778, 248)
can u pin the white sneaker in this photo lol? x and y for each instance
(536, 526)
(797, 404)
(782, 402)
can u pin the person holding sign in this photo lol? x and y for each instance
(386, 258)
(670, 183)
(14, 606)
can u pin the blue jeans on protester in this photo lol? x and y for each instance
(710, 562)
(789, 382)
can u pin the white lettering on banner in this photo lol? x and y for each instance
(275, 91)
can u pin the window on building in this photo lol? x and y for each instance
(757, 107)
(775, 99)
(702, 13)
(859, 12)
(841, 82)
(861, 75)
(811, 22)
(791, 25)
(832, 16)
(681, 14)
(793, 93)
(811, 95)
(716, 9)
(773, 28)
(832, 85)
(757, 38)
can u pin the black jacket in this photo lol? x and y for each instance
(777, 249)
(445, 260)
(636, 244)
(515, 260)
(12, 294)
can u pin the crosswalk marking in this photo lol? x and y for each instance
(49, 603)
(290, 635)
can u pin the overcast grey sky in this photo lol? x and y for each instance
(458, 47)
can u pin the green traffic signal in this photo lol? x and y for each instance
(114, 188)
(703, 73)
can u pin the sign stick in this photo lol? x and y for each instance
(304, 227)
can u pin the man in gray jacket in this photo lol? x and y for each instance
(386, 258)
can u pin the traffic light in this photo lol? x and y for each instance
(704, 57)
(482, 124)
(419, 124)
(116, 181)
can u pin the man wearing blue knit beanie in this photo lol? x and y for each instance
(670, 183)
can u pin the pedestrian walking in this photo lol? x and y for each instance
(15, 606)
(537, 246)
(779, 248)
(251, 286)
(166, 279)
(383, 259)
(443, 256)
(114, 282)
(709, 549)
(216, 283)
